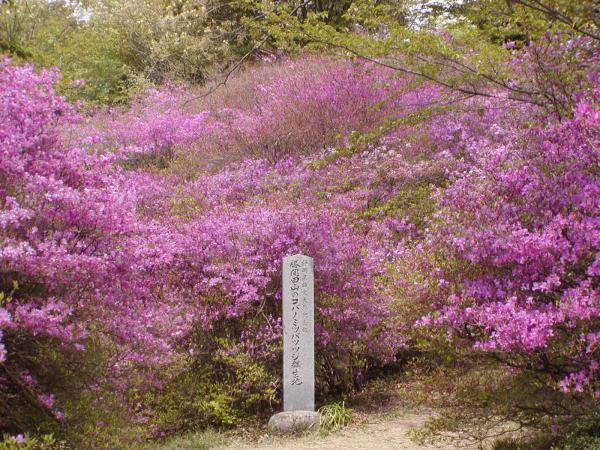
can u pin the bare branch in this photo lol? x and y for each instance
(421, 74)
(539, 6)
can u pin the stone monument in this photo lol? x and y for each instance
(298, 348)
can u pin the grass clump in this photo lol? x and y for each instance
(335, 416)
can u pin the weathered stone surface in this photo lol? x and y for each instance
(290, 422)
(298, 334)
(298, 349)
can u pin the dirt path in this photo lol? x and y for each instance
(379, 433)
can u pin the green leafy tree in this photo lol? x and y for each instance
(60, 34)
(464, 46)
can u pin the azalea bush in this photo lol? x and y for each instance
(141, 247)
(238, 215)
(234, 209)
(78, 308)
(509, 269)
(115, 266)
(272, 111)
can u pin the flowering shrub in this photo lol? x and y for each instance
(275, 111)
(506, 274)
(156, 125)
(149, 248)
(134, 261)
(523, 222)
(71, 271)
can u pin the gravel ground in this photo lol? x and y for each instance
(380, 433)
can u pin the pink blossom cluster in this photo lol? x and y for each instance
(485, 221)
(289, 108)
(519, 225)
(139, 260)
(73, 262)
(239, 237)
(157, 122)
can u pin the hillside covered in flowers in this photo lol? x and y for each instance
(451, 227)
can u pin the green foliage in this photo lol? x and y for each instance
(335, 416)
(28, 442)
(161, 40)
(196, 399)
(460, 45)
(219, 386)
(531, 441)
(477, 400)
(414, 204)
(118, 46)
(56, 34)
(191, 401)
(524, 20)
(93, 411)
(584, 434)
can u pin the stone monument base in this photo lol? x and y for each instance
(290, 422)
